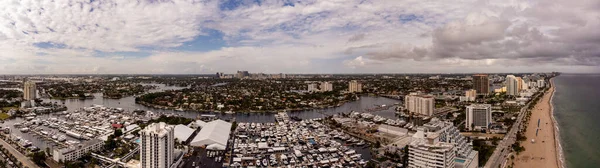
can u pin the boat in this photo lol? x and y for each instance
(54, 137)
(257, 162)
(62, 138)
(264, 162)
(24, 129)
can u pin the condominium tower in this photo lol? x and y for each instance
(419, 104)
(439, 144)
(481, 84)
(157, 146)
(354, 86)
(29, 90)
(512, 85)
(326, 86)
(479, 116)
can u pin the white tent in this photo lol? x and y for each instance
(214, 132)
(182, 132)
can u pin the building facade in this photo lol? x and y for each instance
(75, 152)
(419, 104)
(354, 86)
(29, 90)
(439, 144)
(512, 85)
(157, 145)
(479, 116)
(481, 84)
(541, 83)
(312, 87)
(326, 86)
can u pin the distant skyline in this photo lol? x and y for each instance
(300, 37)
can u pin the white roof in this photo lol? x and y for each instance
(214, 132)
(199, 123)
(131, 127)
(215, 147)
(182, 132)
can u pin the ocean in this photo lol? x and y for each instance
(577, 111)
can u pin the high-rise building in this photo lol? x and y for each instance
(512, 85)
(541, 83)
(519, 84)
(419, 104)
(479, 116)
(481, 84)
(157, 145)
(439, 144)
(326, 86)
(471, 94)
(312, 87)
(29, 90)
(242, 74)
(354, 86)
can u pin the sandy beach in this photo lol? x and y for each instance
(542, 152)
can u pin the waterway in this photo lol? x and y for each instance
(128, 104)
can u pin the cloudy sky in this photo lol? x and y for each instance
(302, 36)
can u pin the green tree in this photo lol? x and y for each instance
(39, 158)
(118, 133)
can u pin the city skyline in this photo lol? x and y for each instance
(205, 37)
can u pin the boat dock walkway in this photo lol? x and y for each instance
(45, 137)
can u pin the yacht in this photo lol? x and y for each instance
(62, 138)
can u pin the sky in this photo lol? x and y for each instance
(302, 36)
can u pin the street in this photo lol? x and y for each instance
(22, 158)
(501, 152)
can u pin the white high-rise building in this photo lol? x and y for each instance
(354, 86)
(312, 87)
(439, 144)
(326, 86)
(420, 104)
(512, 85)
(157, 145)
(541, 83)
(479, 116)
(29, 90)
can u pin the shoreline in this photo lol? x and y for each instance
(559, 154)
(539, 151)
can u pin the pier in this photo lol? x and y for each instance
(47, 138)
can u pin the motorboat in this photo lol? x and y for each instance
(24, 129)
(62, 138)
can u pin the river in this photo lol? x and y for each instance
(128, 104)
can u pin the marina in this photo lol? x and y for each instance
(294, 143)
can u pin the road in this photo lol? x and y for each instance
(503, 148)
(22, 158)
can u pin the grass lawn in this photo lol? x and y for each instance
(3, 116)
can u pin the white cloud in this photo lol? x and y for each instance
(310, 37)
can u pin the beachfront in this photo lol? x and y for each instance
(540, 149)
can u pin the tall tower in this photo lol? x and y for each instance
(512, 85)
(157, 146)
(29, 90)
(481, 84)
(479, 116)
(354, 86)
